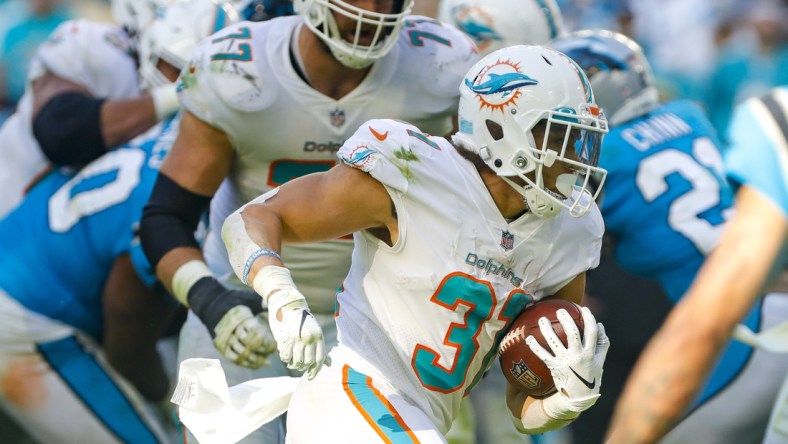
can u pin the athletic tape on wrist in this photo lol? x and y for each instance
(276, 287)
(253, 257)
(165, 100)
(185, 277)
(559, 406)
(537, 420)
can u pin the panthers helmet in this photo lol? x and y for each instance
(177, 30)
(384, 27)
(513, 90)
(135, 15)
(619, 72)
(494, 24)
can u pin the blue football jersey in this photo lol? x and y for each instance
(666, 197)
(58, 247)
(665, 203)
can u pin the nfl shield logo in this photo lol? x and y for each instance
(507, 240)
(525, 375)
(337, 117)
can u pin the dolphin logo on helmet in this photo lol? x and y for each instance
(501, 83)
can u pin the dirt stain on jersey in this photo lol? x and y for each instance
(22, 383)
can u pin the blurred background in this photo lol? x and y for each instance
(715, 52)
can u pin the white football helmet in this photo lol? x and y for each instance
(174, 34)
(504, 96)
(619, 72)
(494, 24)
(382, 27)
(135, 15)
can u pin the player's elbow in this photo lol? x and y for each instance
(68, 129)
(170, 219)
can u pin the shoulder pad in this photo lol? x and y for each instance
(87, 53)
(451, 53)
(384, 148)
(226, 67)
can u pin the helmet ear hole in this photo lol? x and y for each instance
(495, 129)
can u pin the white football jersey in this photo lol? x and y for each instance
(95, 55)
(429, 311)
(242, 81)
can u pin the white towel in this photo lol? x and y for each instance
(773, 340)
(218, 414)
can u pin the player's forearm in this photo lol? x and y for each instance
(122, 120)
(172, 261)
(253, 238)
(529, 415)
(667, 377)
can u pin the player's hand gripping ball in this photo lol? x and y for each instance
(520, 365)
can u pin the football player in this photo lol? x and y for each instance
(669, 155)
(77, 232)
(494, 24)
(77, 356)
(83, 97)
(270, 101)
(753, 245)
(451, 241)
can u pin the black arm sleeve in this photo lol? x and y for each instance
(169, 219)
(68, 129)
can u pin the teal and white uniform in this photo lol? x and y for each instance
(419, 321)
(242, 80)
(97, 56)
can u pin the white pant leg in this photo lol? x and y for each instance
(740, 412)
(349, 403)
(56, 384)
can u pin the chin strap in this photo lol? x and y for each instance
(536, 200)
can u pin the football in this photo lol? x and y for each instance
(519, 364)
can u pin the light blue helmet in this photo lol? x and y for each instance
(618, 70)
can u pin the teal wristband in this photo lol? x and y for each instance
(253, 257)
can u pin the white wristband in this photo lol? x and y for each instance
(165, 100)
(187, 275)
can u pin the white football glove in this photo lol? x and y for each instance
(577, 368)
(243, 339)
(298, 335)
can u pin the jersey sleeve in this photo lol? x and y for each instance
(758, 153)
(223, 78)
(95, 55)
(381, 147)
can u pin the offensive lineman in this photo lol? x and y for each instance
(83, 97)
(268, 102)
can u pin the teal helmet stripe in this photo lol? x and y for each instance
(585, 82)
(548, 13)
(221, 19)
